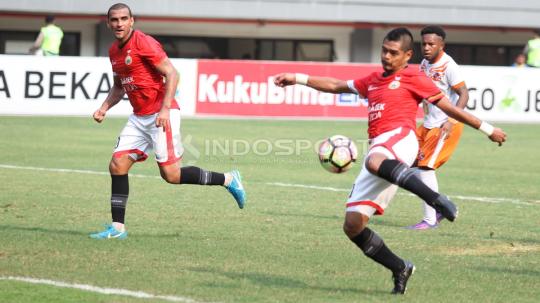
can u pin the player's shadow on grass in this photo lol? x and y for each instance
(279, 281)
(77, 233)
(42, 230)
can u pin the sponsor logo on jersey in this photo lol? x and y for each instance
(375, 111)
(127, 80)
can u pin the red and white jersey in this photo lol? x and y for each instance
(445, 74)
(134, 64)
(393, 100)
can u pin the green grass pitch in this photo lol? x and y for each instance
(287, 245)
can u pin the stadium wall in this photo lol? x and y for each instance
(78, 85)
(348, 44)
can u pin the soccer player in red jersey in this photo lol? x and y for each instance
(393, 99)
(142, 70)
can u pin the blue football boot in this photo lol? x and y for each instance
(237, 189)
(109, 233)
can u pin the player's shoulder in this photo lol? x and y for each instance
(113, 48)
(412, 72)
(371, 77)
(141, 38)
(448, 60)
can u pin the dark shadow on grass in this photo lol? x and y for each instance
(514, 240)
(282, 282)
(42, 230)
(84, 234)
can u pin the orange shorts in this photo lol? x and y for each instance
(435, 149)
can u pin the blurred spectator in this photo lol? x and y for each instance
(520, 61)
(532, 50)
(49, 39)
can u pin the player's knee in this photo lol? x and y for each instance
(167, 178)
(373, 162)
(170, 178)
(352, 228)
(115, 168)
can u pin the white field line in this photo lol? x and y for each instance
(65, 170)
(469, 198)
(100, 290)
(323, 188)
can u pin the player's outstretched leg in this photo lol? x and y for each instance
(232, 181)
(400, 174)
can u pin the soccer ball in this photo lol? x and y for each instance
(337, 154)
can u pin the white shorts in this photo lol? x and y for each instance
(140, 135)
(371, 194)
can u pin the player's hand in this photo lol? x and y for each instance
(284, 79)
(99, 115)
(446, 128)
(498, 136)
(163, 119)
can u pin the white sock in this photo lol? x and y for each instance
(430, 179)
(228, 179)
(119, 226)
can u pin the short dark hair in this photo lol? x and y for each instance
(49, 19)
(118, 6)
(403, 35)
(434, 29)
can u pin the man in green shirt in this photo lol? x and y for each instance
(49, 39)
(532, 50)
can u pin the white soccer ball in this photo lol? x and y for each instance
(337, 154)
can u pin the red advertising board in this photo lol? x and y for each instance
(245, 88)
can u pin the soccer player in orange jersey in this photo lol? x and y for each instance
(439, 135)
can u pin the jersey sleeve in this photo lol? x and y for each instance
(151, 51)
(424, 88)
(453, 75)
(359, 86)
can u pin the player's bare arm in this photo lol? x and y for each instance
(463, 93)
(115, 95)
(170, 73)
(463, 98)
(324, 84)
(495, 134)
